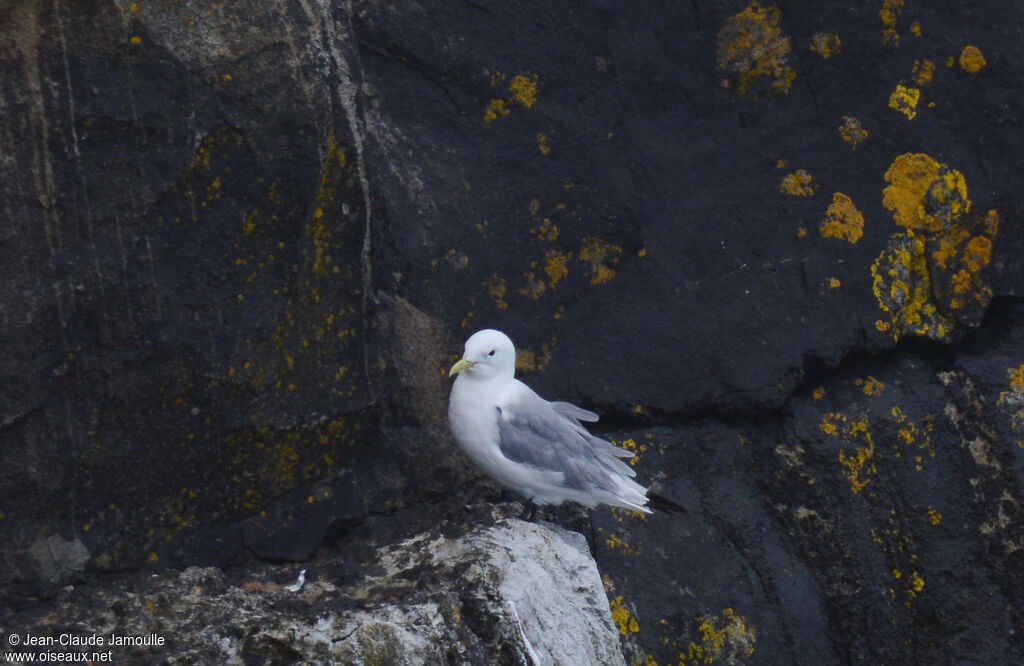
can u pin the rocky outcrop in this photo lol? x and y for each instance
(511, 593)
(777, 248)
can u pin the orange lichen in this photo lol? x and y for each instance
(852, 132)
(939, 261)
(902, 285)
(924, 194)
(923, 71)
(842, 220)
(972, 60)
(861, 461)
(1016, 376)
(496, 287)
(871, 385)
(524, 89)
(556, 266)
(751, 46)
(797, 184)
(600, 256)
(495, 108)
(890, 14)
(542, 144)
(528, 360)
(904, 99)
(831, 422)
(826, 44)
(547, 230)
(725, 637)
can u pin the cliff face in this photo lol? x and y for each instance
(779, 249)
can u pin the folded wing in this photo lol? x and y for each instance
(548, 436)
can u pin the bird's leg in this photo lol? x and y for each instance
(529, 511)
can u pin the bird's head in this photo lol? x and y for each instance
(488, 353)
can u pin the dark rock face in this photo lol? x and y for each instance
(778, 248)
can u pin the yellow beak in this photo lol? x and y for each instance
(461, 365)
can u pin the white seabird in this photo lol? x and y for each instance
(535, 447)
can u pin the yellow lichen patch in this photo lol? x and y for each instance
(860, 462)
(911, 433)
(522, 90)
(834, 283)
(534, 287)
(904, 99)
(930, 200)
(542, 144)
(797, 184)
(751, 46)
(724, 637)
(496, 287)
(556, 266)
(871, 385)
(616, 543)
(915, 28)
(842, 220)
(547, 230)
(819, 393)
(852, 132)
(496, 108)
(600, 256)
(916, 584)
(623, 619)
(631, 445)
(1016, 376)
(934, 517)
(972, 60)
(924, 70)
(830, 424)
(826, 44)
(890, 14)
(902, 286)
(858, 466)
(961, 256)
(991, 223)
(528, 360)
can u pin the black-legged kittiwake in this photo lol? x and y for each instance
(530, 445)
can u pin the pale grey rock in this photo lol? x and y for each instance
(508, 593)
(56, 557)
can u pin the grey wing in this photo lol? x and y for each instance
(535, 432)
(573, 412)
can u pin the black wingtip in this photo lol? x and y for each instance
(662, 503)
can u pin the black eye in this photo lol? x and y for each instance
(491, 353)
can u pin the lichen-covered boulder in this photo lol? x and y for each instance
(511, 593)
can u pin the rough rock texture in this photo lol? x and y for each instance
(778, 247)
(510, 593)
